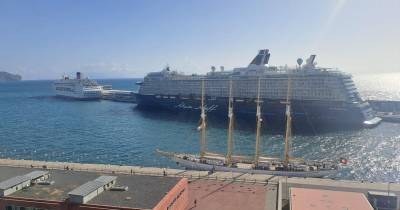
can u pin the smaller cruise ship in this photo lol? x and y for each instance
(78, 88)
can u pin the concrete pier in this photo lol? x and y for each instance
(385, 105)
(265, 191)
(119, 95)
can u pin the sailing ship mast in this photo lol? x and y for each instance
(258, 130)
(288, 132)
(230, 127)
(202, 124)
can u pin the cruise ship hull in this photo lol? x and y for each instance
(307, 113)
(78, 97)
(83, 95)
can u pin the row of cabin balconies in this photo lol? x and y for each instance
(247, 90)
(252, 84)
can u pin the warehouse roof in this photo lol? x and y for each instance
(16, 180)
(91, 186)
(143, 191)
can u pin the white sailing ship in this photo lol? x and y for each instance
(288, 166)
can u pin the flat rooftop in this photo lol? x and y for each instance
(137, 196)
(221, 195)
(314, 199)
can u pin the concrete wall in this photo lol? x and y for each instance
(92, 195)
(75, 199)
(54, 205)
(177, 198)
(24, 202)
(98, 207)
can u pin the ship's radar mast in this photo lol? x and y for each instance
(299, 62)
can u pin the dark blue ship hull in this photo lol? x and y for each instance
(306, 113)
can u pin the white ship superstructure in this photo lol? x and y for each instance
(77, 88)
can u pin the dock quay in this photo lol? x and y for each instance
(190, 189)
(118, 95)
(385, 105)
(388, 111)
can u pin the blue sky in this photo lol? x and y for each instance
(43, 39)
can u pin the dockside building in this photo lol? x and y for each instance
(33, 189)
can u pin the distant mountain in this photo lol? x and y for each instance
(5, 76)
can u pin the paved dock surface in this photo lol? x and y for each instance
(138, 170)
(65, 181)
(271, 198)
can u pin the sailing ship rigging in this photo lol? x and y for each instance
(288, 132)
(258, 129)
(259, 164)
(230, 128)
(202, 125)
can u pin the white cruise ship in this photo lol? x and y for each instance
(77, 88)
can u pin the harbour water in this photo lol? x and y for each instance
(36, 125)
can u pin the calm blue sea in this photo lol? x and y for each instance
(36, 125)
